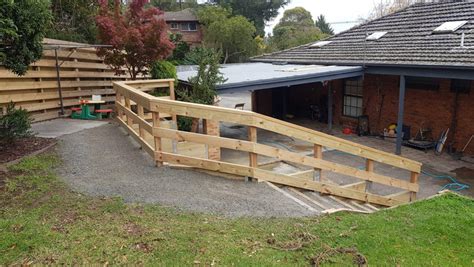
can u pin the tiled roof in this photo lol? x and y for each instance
(183, 15)
(409, 40)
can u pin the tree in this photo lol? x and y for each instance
(180, 50)
(137, 37)
(174, 5)
(324, 26)
(233, 36)
(22, 27)
(386, 7)
(297, 16)
(72, 20)
(296, 27)
(204, 84)
(257, 11)
(196, 54)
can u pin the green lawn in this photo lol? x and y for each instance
(42, 222)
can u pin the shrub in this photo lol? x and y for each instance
(16, 123)
(185, 123)
(163, 70)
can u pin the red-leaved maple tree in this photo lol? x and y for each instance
(138, 37)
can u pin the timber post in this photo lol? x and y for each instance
(369, 166)
(141, 114)
(253, 160)
(128, 106)
(157, 139)
(318, 153)
(413, 179)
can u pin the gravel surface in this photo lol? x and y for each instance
(104, 161)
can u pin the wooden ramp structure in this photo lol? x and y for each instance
(152, 122)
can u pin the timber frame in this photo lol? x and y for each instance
(139, 124)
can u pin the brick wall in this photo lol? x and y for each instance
(434, 108)
(193, 38)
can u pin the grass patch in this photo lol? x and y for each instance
(42, 222)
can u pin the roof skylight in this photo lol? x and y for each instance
(375, 36)
(450, 26)
(320, 44)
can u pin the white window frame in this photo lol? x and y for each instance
(352, 98)
(188, 27)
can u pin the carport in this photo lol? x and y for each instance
(279, 78)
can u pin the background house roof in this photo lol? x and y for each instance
(409, 40)
(257, 76)
(183, 15)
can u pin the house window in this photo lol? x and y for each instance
(422, 83)
(188, 26)
(461, 86)
(352, 98)
(174, 26)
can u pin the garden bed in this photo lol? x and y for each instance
(23, 147)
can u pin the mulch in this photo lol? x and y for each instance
(22, 147)
(3, 177)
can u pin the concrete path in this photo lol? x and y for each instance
(60, 127)
(103, 161)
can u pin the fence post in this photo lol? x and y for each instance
(413, 179)
(369, 166)
(141, 114)
(211, 127)
(118, 99)
(173, 97)
(253, 160)
(129, 107)
(318, 153)
(156, 123)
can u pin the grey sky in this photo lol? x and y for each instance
(333, 10)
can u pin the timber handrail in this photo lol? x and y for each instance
(135, 91)
(250, 118)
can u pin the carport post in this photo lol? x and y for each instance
(401, 109)
(329, 106)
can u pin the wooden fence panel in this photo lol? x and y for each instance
(82, 74)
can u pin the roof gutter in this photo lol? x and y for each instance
(291, 81)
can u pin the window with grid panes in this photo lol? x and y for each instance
(188, 26)
(174, 26)
(352, 106)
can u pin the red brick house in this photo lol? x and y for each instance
(186, 23)
(418, 71)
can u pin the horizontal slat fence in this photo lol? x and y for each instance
(82, 73)
(139, 127)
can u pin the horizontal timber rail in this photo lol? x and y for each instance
(155, 132)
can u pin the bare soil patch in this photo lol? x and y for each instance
(22, 147)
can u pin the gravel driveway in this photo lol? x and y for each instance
(104, 161)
